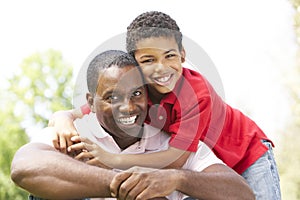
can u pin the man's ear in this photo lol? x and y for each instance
(90, 101)
(182, 52)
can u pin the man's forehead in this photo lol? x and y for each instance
(121, 76)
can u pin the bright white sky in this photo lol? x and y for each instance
(251, 43)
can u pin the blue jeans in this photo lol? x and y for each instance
(263, 177)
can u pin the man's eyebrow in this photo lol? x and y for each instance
(108, 92)
(137, 88)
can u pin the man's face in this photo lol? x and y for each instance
(160, 60)
(120, 102)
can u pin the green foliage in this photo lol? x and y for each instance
(12, 137)
(288, 162)
(41, 85)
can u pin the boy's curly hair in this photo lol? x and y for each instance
(152, 24)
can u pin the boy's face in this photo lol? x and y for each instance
(120, 102)
(160, 60)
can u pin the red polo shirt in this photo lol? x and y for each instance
(193, 111)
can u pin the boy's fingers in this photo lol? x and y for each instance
(55, 141)
(86, 140)
(93, 161)
(83, 155)
(62, 143)
(76, 147)
(88, 144)
(69, 138)
(76, 139)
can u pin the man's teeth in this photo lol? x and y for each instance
(163, 79)
(127, 120)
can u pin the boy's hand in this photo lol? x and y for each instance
(86, 154)
(62, 121)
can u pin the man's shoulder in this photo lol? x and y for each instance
(45, 136)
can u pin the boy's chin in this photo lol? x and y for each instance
(164, 90)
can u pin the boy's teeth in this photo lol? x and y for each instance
(163, 79)
(127, 120)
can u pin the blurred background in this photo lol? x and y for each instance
(254, 46)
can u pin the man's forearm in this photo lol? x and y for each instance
(215, 182)
(47, 173)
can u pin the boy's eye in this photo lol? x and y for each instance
(147, 61)
(170, 55)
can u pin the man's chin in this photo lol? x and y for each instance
(132, 130)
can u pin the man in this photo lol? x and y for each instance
(118, 97)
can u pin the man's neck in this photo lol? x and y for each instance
(124, 143)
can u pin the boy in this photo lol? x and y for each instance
(182, 103)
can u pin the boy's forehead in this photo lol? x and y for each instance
(162, 43)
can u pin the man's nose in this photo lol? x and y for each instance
(127, 106)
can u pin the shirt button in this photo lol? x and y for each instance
(161, 117)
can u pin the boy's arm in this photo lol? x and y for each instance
(63, 122)
(36, 167)
(170, 158)
(69, 115)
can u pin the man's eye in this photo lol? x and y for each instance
(137, 93)
(112, 98)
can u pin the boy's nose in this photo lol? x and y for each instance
(159, 67)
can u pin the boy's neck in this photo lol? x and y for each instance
(155, 96)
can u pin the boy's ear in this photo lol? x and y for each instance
(182, 52)
(90, 101)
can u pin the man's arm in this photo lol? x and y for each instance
(215, 182)
(47, 173)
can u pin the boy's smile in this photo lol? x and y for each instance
(160, 60)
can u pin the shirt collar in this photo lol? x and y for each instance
(152, 140)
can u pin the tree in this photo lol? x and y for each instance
(40, 86)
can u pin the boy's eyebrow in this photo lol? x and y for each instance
(166, 52)
(170, 51)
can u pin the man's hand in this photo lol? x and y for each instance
(143, 183)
